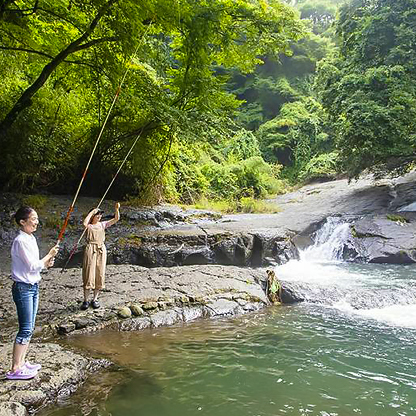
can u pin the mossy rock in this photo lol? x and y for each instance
(397, 218)
(149, 306)
(136, 309)
(124, 312)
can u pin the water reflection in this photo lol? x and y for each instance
(302, 360)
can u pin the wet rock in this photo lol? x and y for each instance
(191, 313)
(163, 318)
(289, 295)
(66, 328)
(30, 398)
(222, 307)
(135, 324)
(379, 239)
(62, 372)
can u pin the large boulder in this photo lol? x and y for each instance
(389, 238)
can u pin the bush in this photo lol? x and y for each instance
(35, 201)
(247, 205)
(321, 166)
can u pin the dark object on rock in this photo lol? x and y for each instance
(85, 305)
(95, 304)
(273, 288)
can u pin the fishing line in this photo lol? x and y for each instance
(103, 197)
(71, 208)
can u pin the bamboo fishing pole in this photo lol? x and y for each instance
(118, 90)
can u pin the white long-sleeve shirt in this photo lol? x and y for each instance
(26, 265)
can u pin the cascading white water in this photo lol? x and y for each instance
(329, 242)
(385, 293)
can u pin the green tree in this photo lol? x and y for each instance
(65, 59)
(369, 89)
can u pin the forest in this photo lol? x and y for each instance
(226, 100)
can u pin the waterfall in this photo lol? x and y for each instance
(329, 242)
(321, 276)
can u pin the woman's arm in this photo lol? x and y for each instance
(89, 216)
(49, 259)
(116, 215)
(26, 254)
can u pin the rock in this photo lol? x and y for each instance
(184, 300)
(81, 322)
(136, 309)
(124, 312)
(66, 328)
(12, 409)
(135, 324)
(191, 313)
(379, 239)
(149, 306)
(222, 307)
(62, 372)
(163, 318)
(32, 398)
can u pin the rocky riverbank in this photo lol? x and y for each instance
(135, 298)
(168, 265)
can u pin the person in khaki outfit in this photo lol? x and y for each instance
(95, 254)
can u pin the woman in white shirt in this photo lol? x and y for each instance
(26, 267)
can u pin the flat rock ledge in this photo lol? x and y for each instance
(135, 298)
(62, 372)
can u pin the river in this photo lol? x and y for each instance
(348, 349)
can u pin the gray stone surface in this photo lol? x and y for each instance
(62, 372)
(193, 240)
(153, 290)
(12, 409)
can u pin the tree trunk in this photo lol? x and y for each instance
(25, 100)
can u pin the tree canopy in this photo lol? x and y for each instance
(63, 59)
(369, 90)
(226, 96)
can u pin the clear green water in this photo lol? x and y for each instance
(349, 349)
(306, 359)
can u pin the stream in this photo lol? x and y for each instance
(348, 349)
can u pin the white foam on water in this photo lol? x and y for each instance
(397, 315)
(320, 263)
(324, 274)
(329, 242)
(320, 266)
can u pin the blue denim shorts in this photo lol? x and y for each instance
(26, 298)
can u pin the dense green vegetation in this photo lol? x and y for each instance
(368, 88)
(230, 98)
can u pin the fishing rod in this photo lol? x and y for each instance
(117, 94)
(105, 193)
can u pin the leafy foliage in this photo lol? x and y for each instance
(63, 61)
(297, 135)
(369, 90)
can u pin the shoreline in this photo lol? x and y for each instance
(197, 284)
(135, 298)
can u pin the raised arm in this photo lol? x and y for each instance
(87, 219)
(116, 215)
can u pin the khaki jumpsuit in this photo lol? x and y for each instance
(95, 258)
